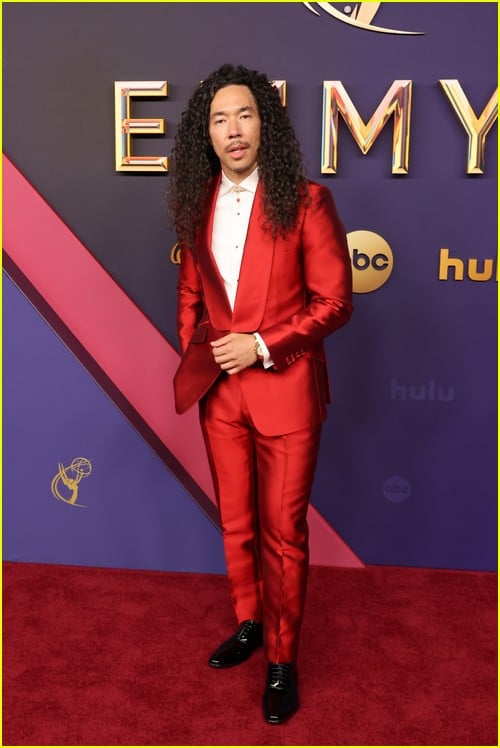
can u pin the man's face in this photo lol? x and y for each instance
(234, 130)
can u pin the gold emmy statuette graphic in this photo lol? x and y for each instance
(70, 477)
(360, 15)
(175, 254)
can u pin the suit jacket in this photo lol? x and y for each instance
(294, 290)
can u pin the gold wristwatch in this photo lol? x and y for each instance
(258, 351)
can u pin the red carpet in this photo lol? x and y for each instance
(389, 656)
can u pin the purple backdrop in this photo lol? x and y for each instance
(407, 466)
(129, 512)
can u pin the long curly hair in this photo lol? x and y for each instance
(194, 160)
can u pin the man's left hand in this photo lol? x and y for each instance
(234, 352)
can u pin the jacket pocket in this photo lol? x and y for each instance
(200, 333)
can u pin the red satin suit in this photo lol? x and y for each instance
(262, 427)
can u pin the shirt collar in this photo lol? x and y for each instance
(249, 183)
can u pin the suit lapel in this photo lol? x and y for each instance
(216, 299)
(255, 271)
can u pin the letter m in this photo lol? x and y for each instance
(397, 102)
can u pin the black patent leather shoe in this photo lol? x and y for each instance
(238, 647)
(281, 698)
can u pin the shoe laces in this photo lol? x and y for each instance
(246, 628)
(279, 675)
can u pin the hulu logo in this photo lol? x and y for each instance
(453, 268)
(429, 392)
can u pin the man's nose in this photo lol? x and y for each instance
(234, 128)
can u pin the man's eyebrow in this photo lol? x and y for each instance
(239, 111)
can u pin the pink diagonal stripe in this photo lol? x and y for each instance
(119, 337)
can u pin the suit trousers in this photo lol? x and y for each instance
(262, 485)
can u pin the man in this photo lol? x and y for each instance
(265, 275)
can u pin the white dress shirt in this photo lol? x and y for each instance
(231, 218)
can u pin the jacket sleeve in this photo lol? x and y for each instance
(189, 298)
(328, 284)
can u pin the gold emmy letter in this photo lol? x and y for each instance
(125, 126)
(397, 102)
(476, 128)
(281, 88)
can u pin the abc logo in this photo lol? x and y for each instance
(397, 489)
(371, 258)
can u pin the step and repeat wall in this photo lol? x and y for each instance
(395, 107)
